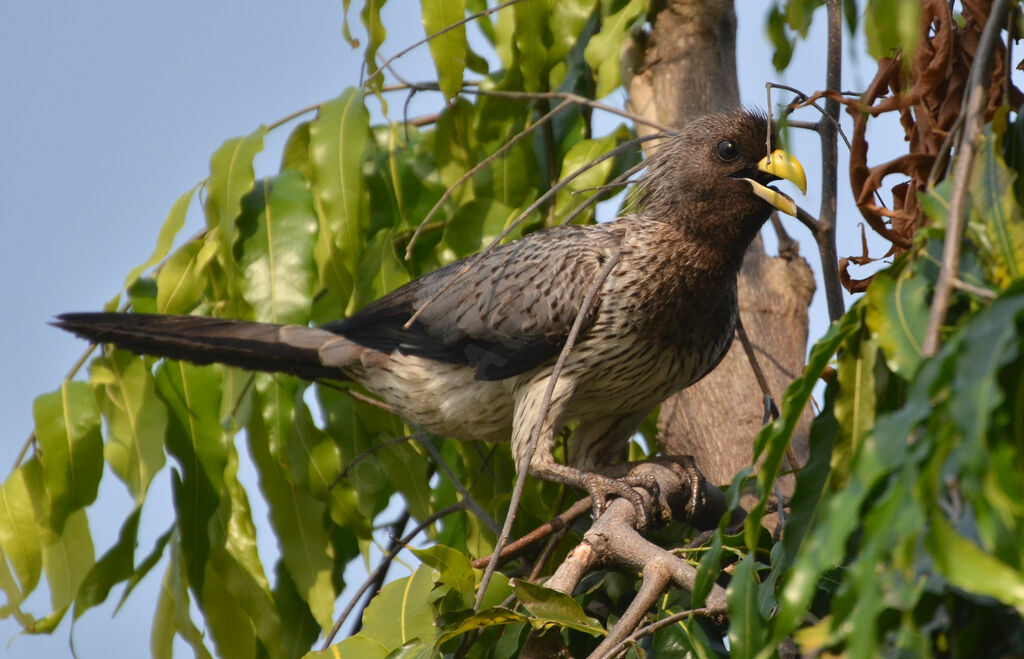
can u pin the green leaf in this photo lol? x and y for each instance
(568, 18)
(454, 569)
(897, 314)
(401, 612)
(115, 566)
(381, 270)
(181, 281)
(892, 25)
(145, 565)
(493, 617)
(775, 27)
(298, 626)
(67, 558)
(603, 52)
(171, 617)
(746, 626)
(448, 49)
(549, 607)
(855, 400)
(580, 155)
(136, 419)
(530, 32)
(240, 582)
(170, 228)
(799, 14)
(775, 437)
(298, 521)
(19, 538)
(969, 567)
(277, 233)
(229, 623)
(68, 431)
(338, 139)
(990, 341)
(997, 221)
(295, 154)
(197, 441)
(231, 177)
(375, 32)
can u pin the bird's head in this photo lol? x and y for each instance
(714, 177)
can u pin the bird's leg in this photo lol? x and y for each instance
(600, 487)
(542, 463)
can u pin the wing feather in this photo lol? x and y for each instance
(511, 312)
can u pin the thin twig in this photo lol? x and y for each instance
(561, 521)
(471, 502)
(621, 179)
(471, 87)
(974, 104)
(655, 626)
(385, 561)
(397, 528)
(545, 403)
(476, 168)
(983, 293)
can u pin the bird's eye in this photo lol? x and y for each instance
(727, 150)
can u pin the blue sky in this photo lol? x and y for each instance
(110, 111)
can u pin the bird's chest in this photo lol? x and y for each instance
(657, 336)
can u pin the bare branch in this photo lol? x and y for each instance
(561, 521)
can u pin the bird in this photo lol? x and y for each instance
(475, 362)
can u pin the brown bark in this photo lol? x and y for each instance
(687, 67)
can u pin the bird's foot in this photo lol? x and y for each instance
(600, 487)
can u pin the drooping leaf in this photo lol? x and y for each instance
(170, 228)
(181, 282)
(447, 49)
(746, 627)
(231, 177)
(549, 607)
(68, 431)
(172, 617)
(897, 314)
(401, 612)
(997, 220)
(454, 569)
(603, 53)
(277, 233)
(531, 27)
(115, 566)
(136, 419)
(19, 537)
(892, 25)
(338, 139)
(196, 439)
(298, 521)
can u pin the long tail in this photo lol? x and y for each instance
(303, 351)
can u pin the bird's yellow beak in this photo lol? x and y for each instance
(781, 164)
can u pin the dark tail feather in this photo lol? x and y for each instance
(201, 340)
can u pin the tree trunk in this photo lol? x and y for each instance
(686, 67)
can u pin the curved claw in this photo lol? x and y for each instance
(600, 487)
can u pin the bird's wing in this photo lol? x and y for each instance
(509, 313)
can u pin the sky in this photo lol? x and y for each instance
(110, 110)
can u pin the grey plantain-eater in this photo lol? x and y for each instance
(477, 360)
